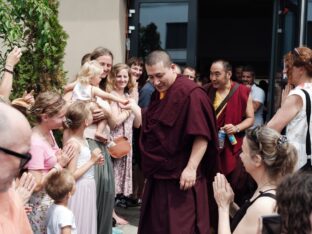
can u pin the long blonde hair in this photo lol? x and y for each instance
(111, 82)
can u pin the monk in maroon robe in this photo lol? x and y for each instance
(235, 116)
(177, 143)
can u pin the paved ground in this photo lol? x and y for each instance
(132, 215)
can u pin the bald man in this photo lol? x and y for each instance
(177, 145)
(15, 135)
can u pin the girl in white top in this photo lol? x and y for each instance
(83, 203)
(298, 67)
(83, 90)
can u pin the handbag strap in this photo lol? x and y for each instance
(227, 98)
(308, 111)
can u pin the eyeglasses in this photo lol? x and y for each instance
(24, 157)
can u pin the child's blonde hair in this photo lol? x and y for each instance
(89, 70)
(76, 114)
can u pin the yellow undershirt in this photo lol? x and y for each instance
(162, 95)
(217, 101)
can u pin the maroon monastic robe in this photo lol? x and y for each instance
(233, 113)
(169, 128)
(229, 161)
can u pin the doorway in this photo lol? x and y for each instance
(239, 31)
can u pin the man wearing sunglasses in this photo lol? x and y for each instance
(15, 135)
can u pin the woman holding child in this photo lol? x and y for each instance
(103, 174)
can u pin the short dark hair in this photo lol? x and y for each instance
(250, 69)
(59, 184)
(158, 56)
(135, 61)
(190, 68)
(226, 65)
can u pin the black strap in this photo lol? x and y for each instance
(308, 111)
(271, 195)
(243, 209)
(227, 98)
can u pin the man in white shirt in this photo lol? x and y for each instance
(257, 94)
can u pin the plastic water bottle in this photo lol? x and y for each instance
(221, 137)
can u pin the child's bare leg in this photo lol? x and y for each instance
(99, 131)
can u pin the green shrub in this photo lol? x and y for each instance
(33, 25)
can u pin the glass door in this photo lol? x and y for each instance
(167, 25)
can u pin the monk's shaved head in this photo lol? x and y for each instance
(158, 56)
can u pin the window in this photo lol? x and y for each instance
(176, 35)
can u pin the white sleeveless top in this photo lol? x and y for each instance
(82, 92)
(296, 130)
(84, 156)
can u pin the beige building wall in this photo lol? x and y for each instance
(90, 24)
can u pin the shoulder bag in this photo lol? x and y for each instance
(307, 167)
(119, 147)
(219, 108)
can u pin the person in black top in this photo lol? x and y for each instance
(267, 157)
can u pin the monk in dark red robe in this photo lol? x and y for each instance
(177, 143)
(235, 116)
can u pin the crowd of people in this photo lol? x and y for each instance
(196, 158)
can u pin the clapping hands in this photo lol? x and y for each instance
(65, 155)
(25, 186)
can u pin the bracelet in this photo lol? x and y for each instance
(9, 71)
(237, 129)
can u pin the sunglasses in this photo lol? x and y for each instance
(24, 157)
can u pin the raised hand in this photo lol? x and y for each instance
(13, 58)
(29, 97)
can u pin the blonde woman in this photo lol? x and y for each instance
(121, 85)
(267, 157)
